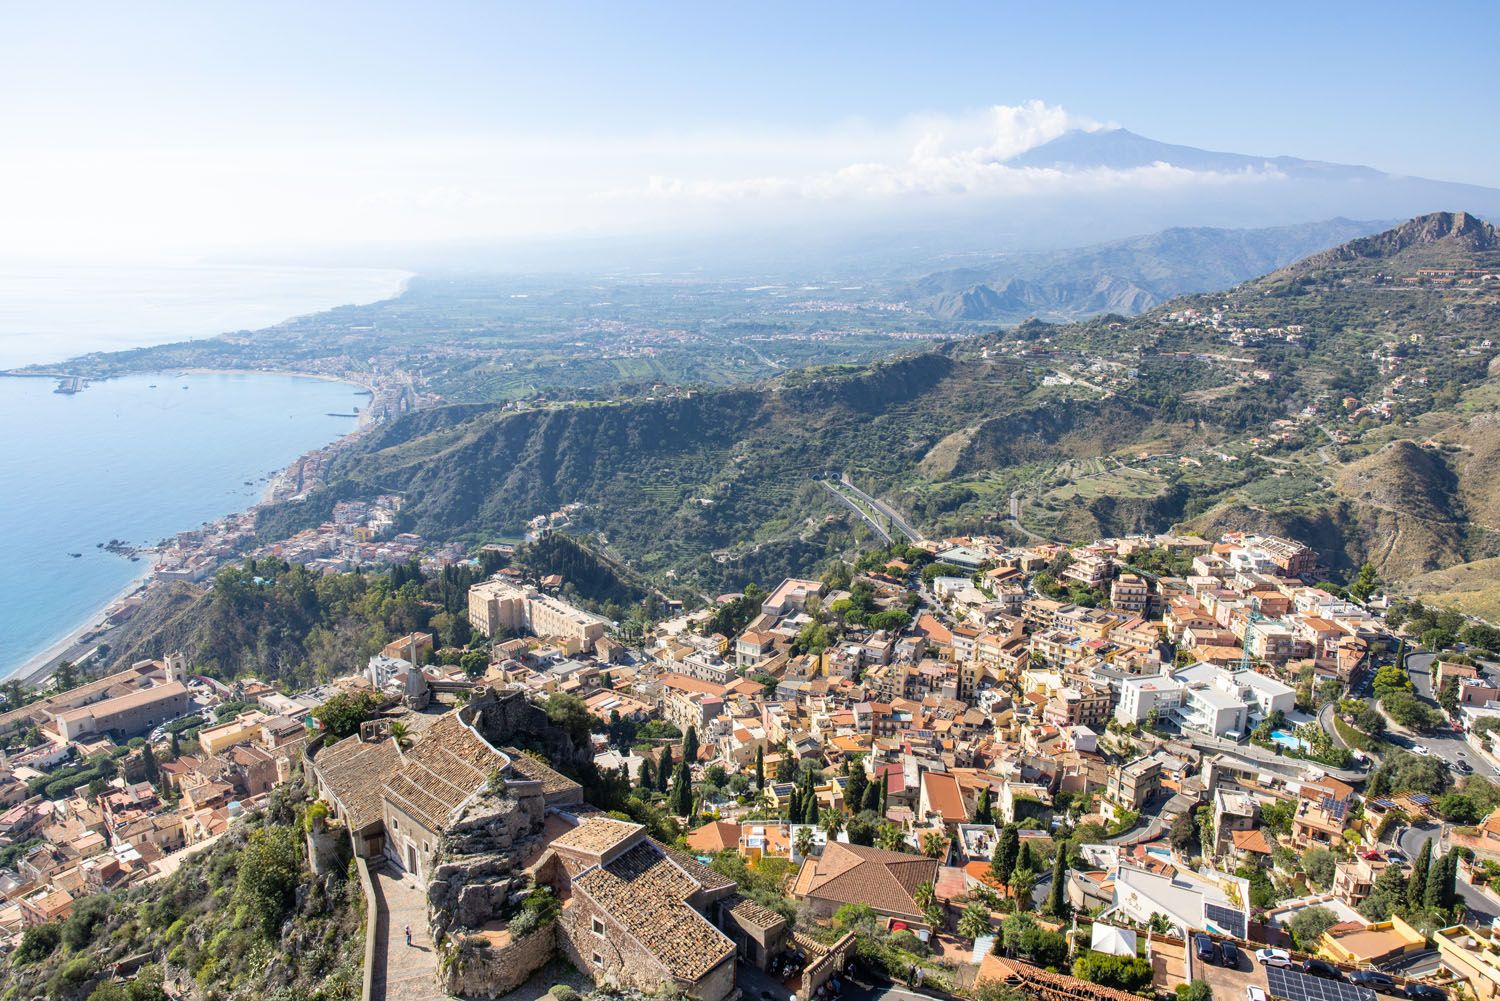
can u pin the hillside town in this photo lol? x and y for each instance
(1156, 765)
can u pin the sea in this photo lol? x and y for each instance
(142, 457)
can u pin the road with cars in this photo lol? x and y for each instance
(1448, 744)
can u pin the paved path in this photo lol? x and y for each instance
(402, 972)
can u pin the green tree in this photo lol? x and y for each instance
(342, 714)
(664, 769)
(1319, 864)
(149, 766)
(889, 837)
(935, 845)
(1309, 924)
(1057, 896)
(760, 768)
(1416, 886)
(690, 745)
(983, 812)
(1196, 990)
(569, 714)
(974, 922)
(270, 868)
(645, 778)
(1007, 850)
(681, 800)
(1125, 973)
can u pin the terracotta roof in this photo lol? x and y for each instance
(597, 835)
(749, 912)
(855, 874)
(714, 837)
(445, 766)
(1251, 841)
(356, 772)
(1045, 983)
(944, 796)
(528, 767)
(647, 893)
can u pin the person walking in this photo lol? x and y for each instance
(408, 935)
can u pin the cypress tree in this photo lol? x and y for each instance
(810, 808)
(645, 778)
(1057, 898)
(664, 769)
(690, 745)
(1007, 849)
(682, 792)
(1421, 870)
(175, 748)
(760, 768)
(1027, 858)
(885, 799)
(872, 796)
(854, 791)
(148, 764)
(982, 812)
(1440, 880)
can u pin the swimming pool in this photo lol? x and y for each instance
(1289, 740)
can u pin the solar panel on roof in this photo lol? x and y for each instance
(1422, 799)
(1226, 919)
(1290, 985)
(1337, 808)
(1385, 804)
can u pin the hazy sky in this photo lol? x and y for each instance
(148, 129)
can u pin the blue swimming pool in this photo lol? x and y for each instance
(1289, 740)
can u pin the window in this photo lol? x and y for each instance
(598, 927)
(598, 959)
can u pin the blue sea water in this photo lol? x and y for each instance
(128, 461)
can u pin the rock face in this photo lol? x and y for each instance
(477, 866)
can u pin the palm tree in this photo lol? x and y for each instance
(974, 921)
(399, 733)
(804, 841)
(833, 823)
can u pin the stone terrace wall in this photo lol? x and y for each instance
(477, 971)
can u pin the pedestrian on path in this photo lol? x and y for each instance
(408, 935)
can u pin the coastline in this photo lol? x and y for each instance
(40, 665)
(37, 668)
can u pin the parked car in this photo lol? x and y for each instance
(1397, 857)
(1421, 749)
(1253, 993)
(1462, 767)
(1206, 949)
(1229, 955)
(1318, 968)
(1422, 992)
(1372, 978)
(1273, 957)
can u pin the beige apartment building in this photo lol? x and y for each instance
(499, 604)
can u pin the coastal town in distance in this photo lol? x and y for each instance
(777, 502)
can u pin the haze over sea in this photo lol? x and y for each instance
(127, 461)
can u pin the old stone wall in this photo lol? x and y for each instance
(474, 971)
(612, 957)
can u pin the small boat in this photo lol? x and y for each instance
(76, 555)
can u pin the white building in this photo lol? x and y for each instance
(1140, 696)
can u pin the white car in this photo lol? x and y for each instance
(1421, 750)
(1253, 993)
(1273, 957)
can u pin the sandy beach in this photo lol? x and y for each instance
(39, 667)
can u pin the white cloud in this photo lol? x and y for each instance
(275, 193)
(952, 157)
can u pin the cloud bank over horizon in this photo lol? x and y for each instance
(78, 202)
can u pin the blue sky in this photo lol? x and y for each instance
(193, 125)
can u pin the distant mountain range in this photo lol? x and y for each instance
(1125, 276)
(1354, 409)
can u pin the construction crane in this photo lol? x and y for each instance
(1250, 622)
